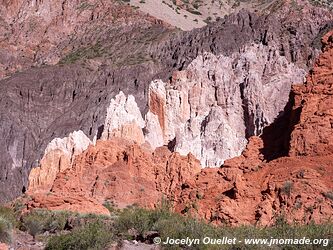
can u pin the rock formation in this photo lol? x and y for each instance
(123, 119)
(299, 187)
(120, 172)
(212, 107)
(59, 156)
(293, 188)
(3, 246)
(43, 32)
(246, 190)
(63, 63)
(313, 134)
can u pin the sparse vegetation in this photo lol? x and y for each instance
(172, 225)
(109, 205)
(324, 3)
(5, 230)
(113, 48)
(40, 221)
(83, 53)
(85, 6)
(287, 188)
(296, 6)
(329, 195)
(208, 20)
(194, 12)
(8, 214)
(7, 222)
(94, 235)
(236, 4)
(133, 223)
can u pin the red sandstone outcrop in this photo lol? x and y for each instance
(117, 171)
(124, 173)
(290, 187)
(313, 135)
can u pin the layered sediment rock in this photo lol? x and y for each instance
(104, 48)
(36, 33)
(294, 188)
(246, 190)
(123, 173)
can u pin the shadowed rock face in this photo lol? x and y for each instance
(98, 60)
(246, 190)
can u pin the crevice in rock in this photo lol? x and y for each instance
(249, 129)
(100, 130)
(231, 193)
(172, 144)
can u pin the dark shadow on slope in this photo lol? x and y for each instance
(276, 137)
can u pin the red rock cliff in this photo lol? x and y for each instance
(313, 135)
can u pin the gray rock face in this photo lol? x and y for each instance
(47, 102)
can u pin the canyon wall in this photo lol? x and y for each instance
(93, 52)
(247, 189)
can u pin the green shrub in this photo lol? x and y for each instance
(141, 220)
(5, 230)
(161, 220)
(287, 188)
(40, 221)
(169, 224)
(94, 235)
(98, 232)
(8, 214)
(329, 195)
(18, 206)
(194, 12)
(109, 205)
(323, 3)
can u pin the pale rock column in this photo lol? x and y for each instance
(58, 156)
(124, 119)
